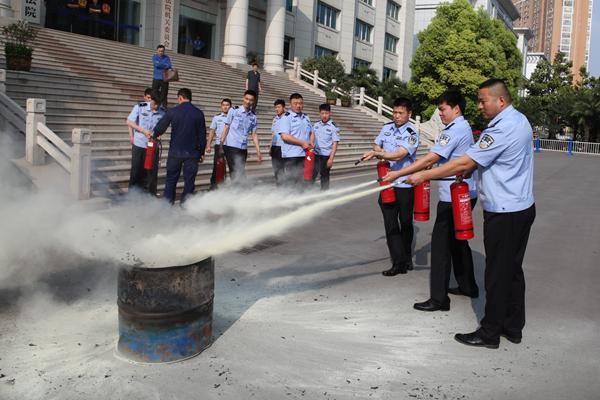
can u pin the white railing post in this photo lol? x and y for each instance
(418, 119)
(36, 109)
(2, 81)
(81, 160)
(296, 66)
(380, 105)
(299, 70)
(316, 78)
(361, 98)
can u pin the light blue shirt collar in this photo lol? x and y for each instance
(501, 115)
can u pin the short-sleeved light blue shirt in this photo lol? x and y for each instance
(218, 124)
(452, 143)
(391, 138)
(326, 134)
(298, 125)
(505, 157)
(142, 115)
(241, 122)
(276, 129)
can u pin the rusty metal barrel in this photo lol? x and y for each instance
(165, 314)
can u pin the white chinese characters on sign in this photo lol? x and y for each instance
(167, 24)
(31, 11)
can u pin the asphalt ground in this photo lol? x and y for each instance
(310, 316)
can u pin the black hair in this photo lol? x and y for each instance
(148, 92)
(185, 93)
(279, 102)
(226, 100)
(155, 97)
(254, 63)
(160, 46)
(402, 102)
(250, 92)
(453, 98)
(324, 107)
(500, 85)
(295, 96)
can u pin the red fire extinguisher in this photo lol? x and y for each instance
(421, 212)
(388, 195)
(150, 151)
(220, 172)
(461, 210)
(309, 164)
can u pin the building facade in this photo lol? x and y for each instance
(559, 25)
(377, 33)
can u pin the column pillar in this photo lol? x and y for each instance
(274, 35)
(236, 32)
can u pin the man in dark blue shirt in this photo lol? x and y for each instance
(161, 62)
(188, 141)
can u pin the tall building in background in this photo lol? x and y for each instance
(558, 25)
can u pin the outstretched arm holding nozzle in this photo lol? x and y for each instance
(378, 152)
(458, 166)
(419, 165)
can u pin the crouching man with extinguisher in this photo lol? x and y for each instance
(504, 159)
(143, 119)
(447, 251)
(397, 144)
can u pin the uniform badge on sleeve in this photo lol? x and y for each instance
(444, 139)
(412, 139)
(486, 141)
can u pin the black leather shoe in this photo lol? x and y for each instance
(473, 339)
(516, 339)
(409, 266)
(394, 271)
(457, 292)
(429, 305)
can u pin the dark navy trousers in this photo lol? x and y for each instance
(175, 165)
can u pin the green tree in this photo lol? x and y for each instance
(329, 67)
(461, 48)
(365, 77)
(550, 95)
(391, 89)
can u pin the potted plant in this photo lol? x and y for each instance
(330, 97)
(346, 101)
(17, 39)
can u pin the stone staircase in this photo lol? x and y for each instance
(93, 83)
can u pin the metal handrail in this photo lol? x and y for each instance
(566, 146)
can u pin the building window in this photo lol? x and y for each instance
(326, 15)
(391, 42)
(357, 62)
(363, 31)
(322, 52)
(289, 5)
(388, 73)
(369, 2)
(393, 10)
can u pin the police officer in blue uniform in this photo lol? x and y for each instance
(398, 142)
(503, 157)
(216, 129)
(446, 251)
(276, 141)
(234, 140)
(142, 120)
(297, 135)
(186, 148)
(326, 142)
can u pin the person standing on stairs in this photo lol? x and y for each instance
(186, 148)
(216, 129)
(253, 83)
(143, 119)
(161, 62)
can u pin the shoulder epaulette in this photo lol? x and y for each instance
(287, 113)
(334, 124)
(142, 104)
(235, 107)
(448, 127)
(387, 123)
(494, 124)
(411, 130)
